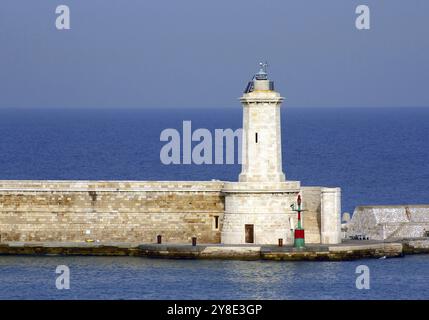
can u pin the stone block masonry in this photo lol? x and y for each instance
(263, 206)
(110, 211)
(137, 211)
(311, 202)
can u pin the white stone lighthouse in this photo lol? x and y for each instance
(258, 207)
(262, 148)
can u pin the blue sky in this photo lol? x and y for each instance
(198, 53)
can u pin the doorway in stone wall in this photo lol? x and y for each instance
(249, 233)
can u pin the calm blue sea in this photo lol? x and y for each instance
(376, 155)
(144, 278)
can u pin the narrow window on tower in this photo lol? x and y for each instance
(216, 222)
(256, 137)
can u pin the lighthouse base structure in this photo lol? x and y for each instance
(258, 213)
(261, 213)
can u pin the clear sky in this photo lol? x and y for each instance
(200, 53)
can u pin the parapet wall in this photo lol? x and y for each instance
(126, 211)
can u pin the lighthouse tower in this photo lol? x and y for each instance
(262, 148)
(258, 206)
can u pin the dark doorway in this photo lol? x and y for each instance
(249, 233)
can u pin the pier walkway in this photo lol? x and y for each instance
(348, 250)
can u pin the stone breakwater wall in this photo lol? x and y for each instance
(131, 211)
(110, 211)
(390, 222)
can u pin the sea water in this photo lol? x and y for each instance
(144, 278)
